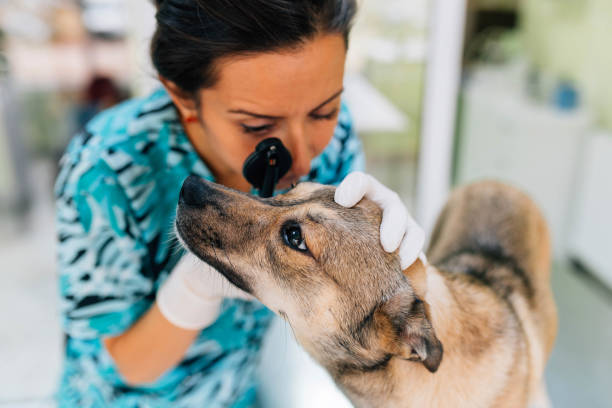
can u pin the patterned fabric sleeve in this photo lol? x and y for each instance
(343, 155)
(103, 284)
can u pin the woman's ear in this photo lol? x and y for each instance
(184, 101)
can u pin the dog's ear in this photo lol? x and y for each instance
(420, 339)
(417, 276)
(414, 335)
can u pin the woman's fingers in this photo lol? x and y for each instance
(352, 189)
(412, 246)
(393, 225)
(397, 229)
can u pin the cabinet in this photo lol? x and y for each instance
(505, 135)
(590, 233)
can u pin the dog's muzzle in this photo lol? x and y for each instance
(194, 192)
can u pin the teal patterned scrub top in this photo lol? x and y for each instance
(116, 198)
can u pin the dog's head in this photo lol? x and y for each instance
(318, 265)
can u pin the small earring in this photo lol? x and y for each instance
(191, 119)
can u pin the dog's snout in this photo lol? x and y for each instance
(194, 192)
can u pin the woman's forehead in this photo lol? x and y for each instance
(298, 78)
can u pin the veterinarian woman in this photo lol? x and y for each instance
(143, 328)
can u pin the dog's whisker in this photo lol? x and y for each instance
(173, 241)
(175, 246)
(292, 330)
(286, 331)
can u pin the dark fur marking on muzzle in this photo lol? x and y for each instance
(223, 269)
(228, 272)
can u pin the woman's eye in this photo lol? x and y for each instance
(327, 116)
(256, 129)
(293, 237)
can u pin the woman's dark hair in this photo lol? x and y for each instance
(192, 35)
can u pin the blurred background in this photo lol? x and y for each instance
(516, 90)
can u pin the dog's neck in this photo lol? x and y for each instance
(408, 383)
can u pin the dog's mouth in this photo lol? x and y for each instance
(212, 255)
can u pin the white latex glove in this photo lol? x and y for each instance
(397, 228)
(191, 296)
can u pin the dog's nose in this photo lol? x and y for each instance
(194, 192)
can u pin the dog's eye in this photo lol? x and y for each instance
(292, 234)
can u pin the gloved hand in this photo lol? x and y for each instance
(397, 228)
(191, 296)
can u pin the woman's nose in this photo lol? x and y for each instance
(301, 153)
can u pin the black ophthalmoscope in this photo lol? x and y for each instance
(267, 165)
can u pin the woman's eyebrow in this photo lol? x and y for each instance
(260, 116)
(328, 100)
(257, 115)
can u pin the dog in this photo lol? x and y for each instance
(472, 328)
